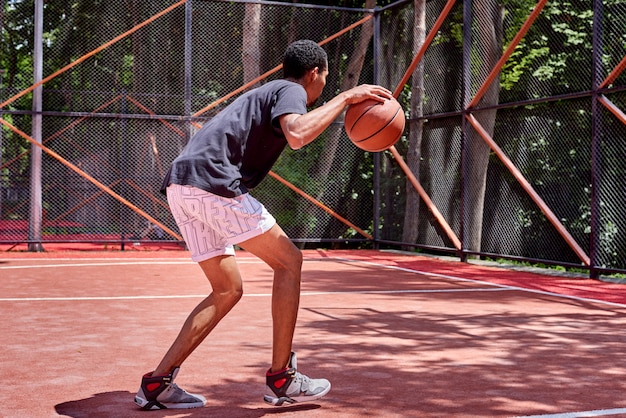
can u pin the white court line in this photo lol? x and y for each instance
(253, 295)
(127, 263)
(124, 263)
(593, 413)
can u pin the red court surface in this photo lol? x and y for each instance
(397, 335)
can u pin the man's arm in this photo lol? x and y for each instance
(301, 130)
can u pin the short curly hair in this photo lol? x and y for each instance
(301, 56)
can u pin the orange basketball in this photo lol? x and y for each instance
(374, 126)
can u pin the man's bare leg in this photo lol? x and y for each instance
(275, 249)
(284, 386)
(223, 274)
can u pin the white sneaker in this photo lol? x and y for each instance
(160, 392)
(291, 386)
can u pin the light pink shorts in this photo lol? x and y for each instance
(211, 225)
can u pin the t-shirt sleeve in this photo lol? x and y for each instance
(291, 99)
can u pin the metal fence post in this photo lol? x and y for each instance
(376, 155)
(188, 68)
(467, 97)
(36, 211)
(124, 169)
(596, 134)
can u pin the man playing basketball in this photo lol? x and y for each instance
(207, 190)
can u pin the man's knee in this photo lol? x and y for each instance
(294, 261)
(231, 295)
(236, 291)
(298, 259)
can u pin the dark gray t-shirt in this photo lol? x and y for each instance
(236, 149)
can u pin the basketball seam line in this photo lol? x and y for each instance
(390, 120)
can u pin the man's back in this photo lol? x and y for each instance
(235, 150)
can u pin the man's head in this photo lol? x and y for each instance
(302, 56)
(306, 63)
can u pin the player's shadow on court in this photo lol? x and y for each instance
(119, 404)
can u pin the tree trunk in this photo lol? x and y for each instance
(411, 220)
(489, 29)
(396, 59)
(251, 41)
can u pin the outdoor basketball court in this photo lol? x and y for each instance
(397, 335)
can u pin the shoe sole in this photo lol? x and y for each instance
(141, 402)
(272, 400)
(277, 401)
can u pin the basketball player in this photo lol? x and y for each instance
(207, 188)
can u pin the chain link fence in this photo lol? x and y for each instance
(132, 81)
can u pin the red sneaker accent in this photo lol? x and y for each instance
(279, 383)
(153, 386)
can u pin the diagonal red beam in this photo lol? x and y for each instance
(70, 190)
(151, 113)
(507, 53)
(76, 122)
(613, 109)
(614, 74)
(554, 220)
(147, 194)
(320, 205)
